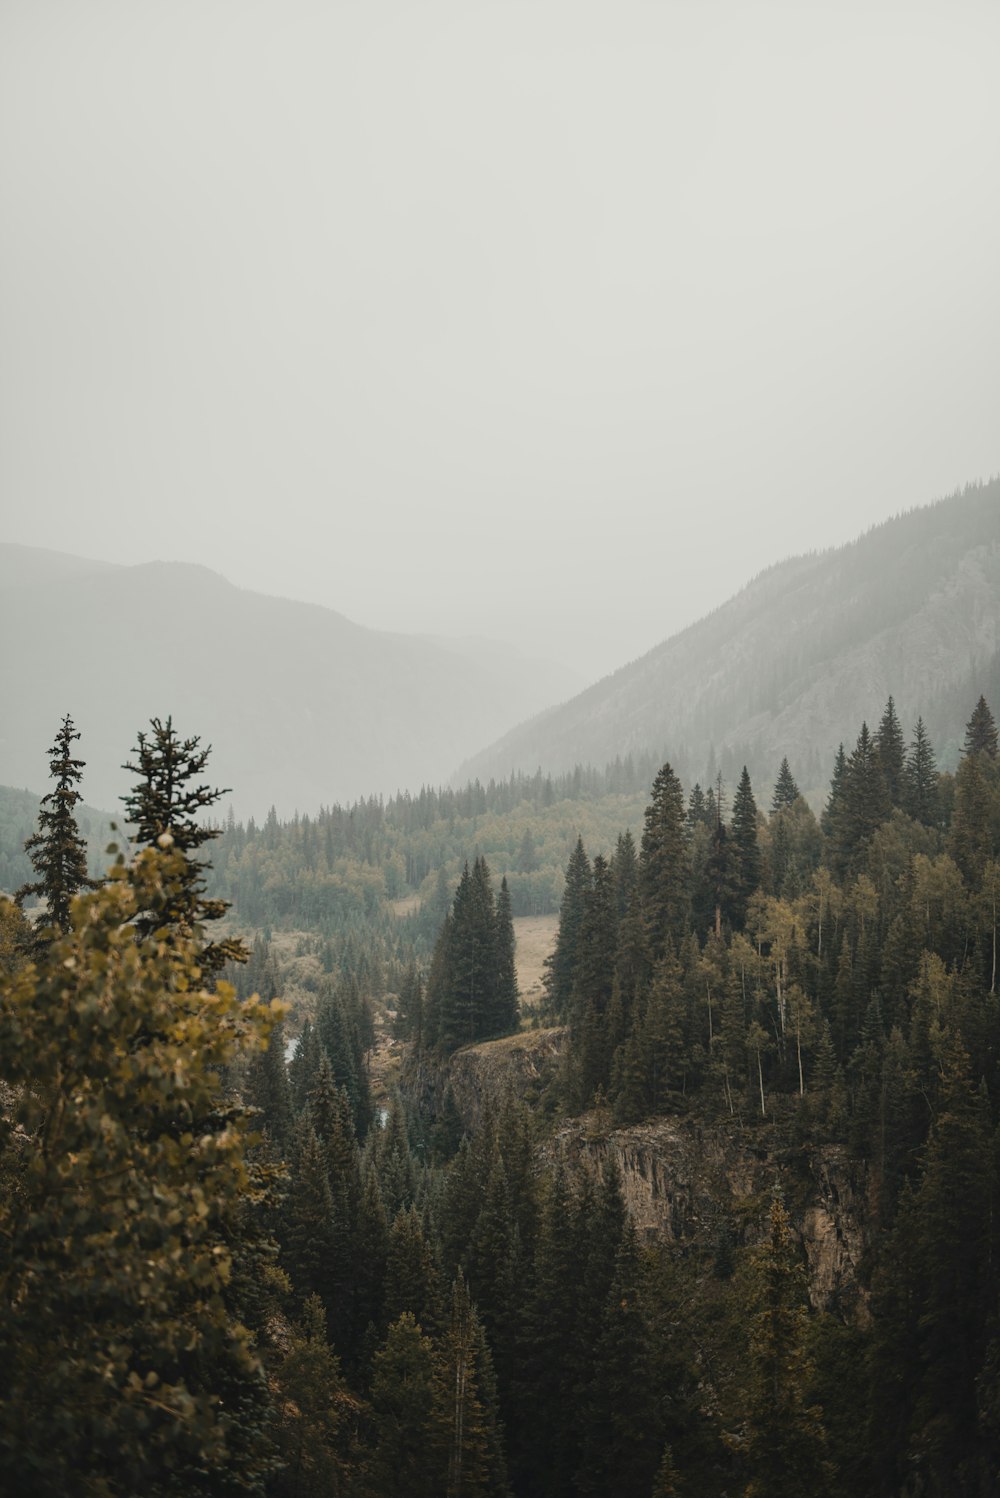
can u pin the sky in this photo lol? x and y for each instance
(547, 320)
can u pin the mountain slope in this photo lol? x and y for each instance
(793, 663)
(302, 706)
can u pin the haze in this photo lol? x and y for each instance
(552, 322)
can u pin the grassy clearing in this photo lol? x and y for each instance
(535, 936)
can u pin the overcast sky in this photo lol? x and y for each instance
(553, 321)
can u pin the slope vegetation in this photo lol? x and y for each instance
(792, 663)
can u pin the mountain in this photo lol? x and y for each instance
(302, 706)
(795, 661)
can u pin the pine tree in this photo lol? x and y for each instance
(163, 808)
(592, 985)
(505, 1012)
(561, 964)
(623, 1431)
(921, 798)
(664, 869)
(744, 838)
(786, 792)
(834, 819)
(866, 799)
(981, 731)
(408, 1405)
(890, 756)
(316, 1415)
(268, 1089)
(58, 853)
(785, 1445)
(476, 1466)
(123, 1364)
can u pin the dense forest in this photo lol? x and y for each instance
(226, 1269)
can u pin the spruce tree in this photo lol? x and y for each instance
(124, 1367)
(57, 851)
(785, 1444)
(981, 731)
(786, 792)
(163, 808)
(890, 755)
(560, 965)
(505, 1015)
(664, 868)
(744, 838)
(921, 799)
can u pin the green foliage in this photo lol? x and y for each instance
(165, 805)
(783, 1446)
(124, 1369)
(57, 851)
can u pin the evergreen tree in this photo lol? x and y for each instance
(58, 853)
(268, 1089)
(408, 1399)
(744, 838)
(921, 799)
(623, 1443)
(592, 985)
(890, 755)
(785, 1445)
(786, 792)
(561, 964)
(122, 1361)
(468, 972)
(834, 821)
(412, 1281)
(866, 799)
(476, 1465)
(316, 1416)
(505, 1013)
(664, 871)
(163, 808)
(981, 731)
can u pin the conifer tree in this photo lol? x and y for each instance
(561, 964)
(866, 798)
(122, 1360)
(890, 755)
(165, 804)
(921, 799)
(58, 853)
(664, 870)
(744, 837)
(981, 731)
(476, 1465)
(623, 1438)
(412, 1281)
(785, 1444)
(834, 819)
(786, 792)
(408, 1404)
(505, 1011)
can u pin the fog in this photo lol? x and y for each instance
(551, 321)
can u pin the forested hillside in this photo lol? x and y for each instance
(911, 608)
(731, 1232)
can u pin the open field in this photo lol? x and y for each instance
(535, 936)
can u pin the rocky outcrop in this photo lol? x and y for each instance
(705, 1187)
(522, 1066)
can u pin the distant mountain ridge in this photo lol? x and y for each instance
(302, 706)
(794, 662)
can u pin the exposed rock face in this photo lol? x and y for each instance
(702, 1186)
(522, 1066)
